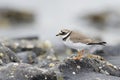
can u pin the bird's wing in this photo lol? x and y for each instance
(79, 37)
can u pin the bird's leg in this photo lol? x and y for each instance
(80, 55)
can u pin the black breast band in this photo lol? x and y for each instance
(67, 36)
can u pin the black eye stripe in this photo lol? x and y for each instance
(63, 33)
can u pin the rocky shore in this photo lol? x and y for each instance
(31, 59)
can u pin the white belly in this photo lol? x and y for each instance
(77, 46)
(82, 46)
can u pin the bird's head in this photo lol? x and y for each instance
(64, 33)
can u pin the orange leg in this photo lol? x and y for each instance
(80, 55)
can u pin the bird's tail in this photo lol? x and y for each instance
(99, 43)
(102, 43)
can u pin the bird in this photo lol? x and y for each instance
(78, 41)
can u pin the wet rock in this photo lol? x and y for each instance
(109, 51)
(111, 54)
(97, 19)
(48, 60)
(32, 51)
(84, 75)
(39, 51)
(13, 16)
(39, 62)
(27, 57)
(6, 55)
(25, 45)
(89, 63)
(22, 71)
(103, 19)
(27, 38)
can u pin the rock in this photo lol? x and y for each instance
(25, 45)
(6, 55)
(39, 62)
(27, 38)
(13, 16)
(109, 51)
(97, 19)
(84, 75)
(89, 63)
(22, 71)
(27, 57)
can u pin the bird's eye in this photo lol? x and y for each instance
(63, 33)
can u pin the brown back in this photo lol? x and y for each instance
(79, 37)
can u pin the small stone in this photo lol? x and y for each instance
(54, 58)
(30, 46)
(106, 73)
(100, 67)
(73, 73)
(45, 78)
(1, 54)
(97, 79)
(47, 44)
(11, 76)
(115, 67)
(15, 64)
(15, 45)
(51, 65)
(49, 57)
(78, 67)
(1, 62)
(26, 76)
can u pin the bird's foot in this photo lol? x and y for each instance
(80, 55)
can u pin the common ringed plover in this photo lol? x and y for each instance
(78, 41)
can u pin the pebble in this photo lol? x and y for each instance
(73, 73)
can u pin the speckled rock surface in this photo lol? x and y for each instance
(22, 71)
(36, 60)
(7, 56)
(91, 65)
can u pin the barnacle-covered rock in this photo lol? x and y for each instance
(27, 57)
(6, 55)
(22, 71)
(25, 45)
(89, 63)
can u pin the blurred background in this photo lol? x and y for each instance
(44, 18)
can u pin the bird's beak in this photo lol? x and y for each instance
(58, 34)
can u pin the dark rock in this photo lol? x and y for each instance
(22, 71)
(84, 75)
(109, 51)
(89, 63)
(14, 16)
(40, 63)
(112, 50)
(27, 38)
(38, 51)
(27, 57)
(6, 55)
(25, 45)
